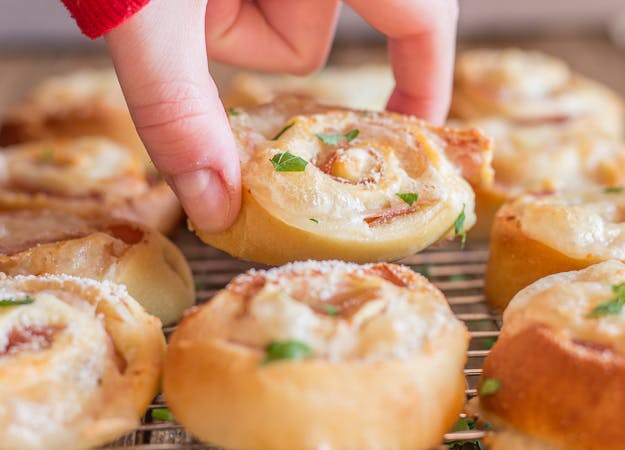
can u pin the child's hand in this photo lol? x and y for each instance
(161, 55)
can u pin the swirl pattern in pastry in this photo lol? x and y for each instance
(79, 362)
(532, 87)
(544, 158)
(380, 324)
(86, 176)
(77, 104)
(345, 200)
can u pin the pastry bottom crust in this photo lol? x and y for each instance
(487, 203)
(561, 391)
(257, 235)
(515, 260)
(222, 393)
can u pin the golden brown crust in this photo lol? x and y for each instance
(96, 386)
(345, 204)
(85, 176)
(152, 268)
(515, 260)
(535, 235)
(559, 390)
(218, 388)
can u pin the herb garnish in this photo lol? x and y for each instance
(14, 302)
(611, 307)
(488, 386)
(331, 310)
(408, 197)
(457, 277)
(163, 414)
(614, 190)
(290, 350)
(282, 131)
(287, 162)
(335, 138)
(423, 270)
(459, 227)
(46, 156)
(312, 219)
(464, 424)
(488, 342)
(233, 112)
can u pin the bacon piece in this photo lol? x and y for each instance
(387, 215)
(389, 273)
(545, 120)
(471, 151)
(29, 338)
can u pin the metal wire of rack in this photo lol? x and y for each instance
(458, 273)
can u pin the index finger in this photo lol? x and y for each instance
(421, 42)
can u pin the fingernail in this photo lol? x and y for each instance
(204, 198)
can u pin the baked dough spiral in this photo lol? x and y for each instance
(152, 268)
(345, 202)
(559, 365)
(77, 104)
(532, 87)
(86, 176)
(544, 158)
(78, 365)
(367, 86)
(384, 366)
(538, 235)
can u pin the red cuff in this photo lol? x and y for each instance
(96, 17)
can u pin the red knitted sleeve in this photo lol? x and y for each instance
(96, 17)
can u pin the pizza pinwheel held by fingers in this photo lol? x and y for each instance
(152, 268)
(79, 362)
(87, 176)
(322, 182)
(319, 354)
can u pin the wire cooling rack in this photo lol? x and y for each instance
(458, 273)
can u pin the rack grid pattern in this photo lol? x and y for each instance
(458, 273)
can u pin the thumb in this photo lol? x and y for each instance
(160, 59)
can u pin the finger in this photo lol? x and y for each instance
(161, 62)
(422, 36)
(274, 35)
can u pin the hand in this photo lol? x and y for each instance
(421, 44)
(161, 57)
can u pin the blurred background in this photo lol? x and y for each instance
(38, 36)
(28, 23)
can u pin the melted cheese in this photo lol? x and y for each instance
(389, 321)
(578, 224)
(84, 166)
(546, 157)
(46, 394)
(388, 157)
(563, 302)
